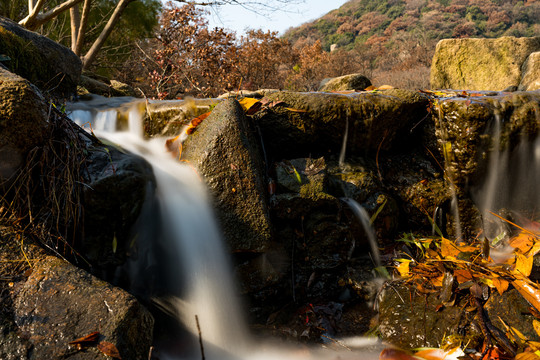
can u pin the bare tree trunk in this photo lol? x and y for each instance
(34, 20)
(82, 27)
(31, 6)
(91, 54)
(75, 17)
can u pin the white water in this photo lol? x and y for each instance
(202, 266)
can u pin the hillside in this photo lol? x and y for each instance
(395, 39)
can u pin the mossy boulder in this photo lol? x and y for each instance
(481, 64)
(304, 124)
(346, 82)
(530, 73)
(225, 151)
(23, 121)
(50, 66)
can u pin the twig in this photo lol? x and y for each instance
(200, 336)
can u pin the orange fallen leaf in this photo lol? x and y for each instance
(500, 284)
(109, 349)
(523, 265)
(527, 356)
(195, 122)
(463, 275)
(524, 242)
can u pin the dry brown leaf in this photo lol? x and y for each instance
(109, 349)
(85, 341)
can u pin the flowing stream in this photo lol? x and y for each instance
(205, 290)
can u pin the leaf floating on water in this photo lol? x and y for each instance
(85, 341)
(109, 349)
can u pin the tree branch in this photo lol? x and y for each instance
(82, 27)
(91, 54)
(34, 20)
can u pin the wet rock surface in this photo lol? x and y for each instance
(225, 152)
(315, 123)
(118, 185)
(47, 303)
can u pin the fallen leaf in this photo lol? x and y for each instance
(403, 267)
(463, 276)
(536, 326)
(109, 349)
(523, 265)
(440, 354)
(385, 87)
(296, 110)
(500, 284)
(523, 242)
(85, 341)
(527, 356)
(195, 122)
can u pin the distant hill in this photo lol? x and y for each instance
(393, 41)
(361, 21)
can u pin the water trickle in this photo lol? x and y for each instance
(364, 218)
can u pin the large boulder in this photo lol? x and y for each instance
(346, 82)
(303, 124)
(52, 67)
(225, 151)
(530, 74)
(23, 121)
(480, 64)
(117, 187)
(59, 303)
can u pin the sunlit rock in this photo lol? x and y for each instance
(481, 64)
(225, 152)
(52, 67)
(23, 121)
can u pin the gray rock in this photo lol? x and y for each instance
(225, 152)
(23, 121)
(59, 303)
(480, 64)
(530, 73)
(346, 82)
(52, 67)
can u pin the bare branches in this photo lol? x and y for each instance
(35, 19)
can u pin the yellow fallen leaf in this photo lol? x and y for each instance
(523, 265)
(536, 326)
(403, 267)
(247, 103)
(500, 284)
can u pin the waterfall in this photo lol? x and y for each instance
(191, 235)
(195, 254)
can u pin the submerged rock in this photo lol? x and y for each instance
(481, 64)
(52, 67)
(225, 152)
(23, 121)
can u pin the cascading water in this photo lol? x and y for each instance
(189, 232)
(193, 245)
